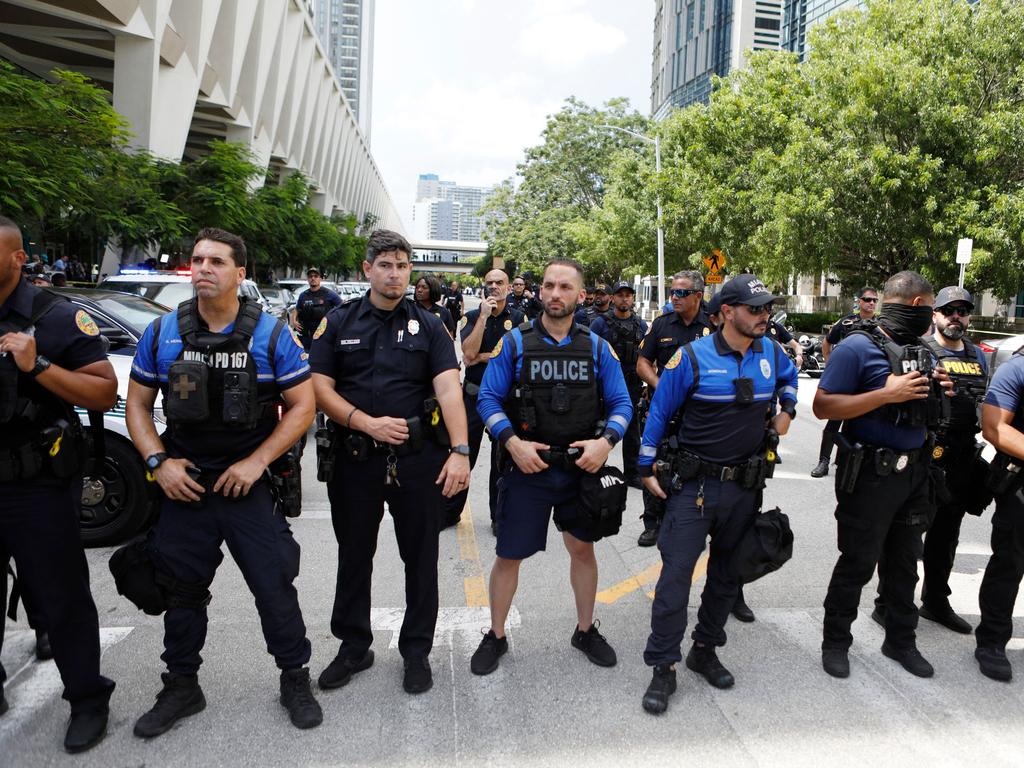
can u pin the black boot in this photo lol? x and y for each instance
(703, 660)
(649, 537)
(297, 698)
(663, 685)
(180, 697)
(741, 610)
(86, 729)
(43, 650)
(820, 469)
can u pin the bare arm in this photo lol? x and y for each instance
(455, 472)
(997, 429)
(645, 370)
(826, 349)
(93, 386)
(471, 344)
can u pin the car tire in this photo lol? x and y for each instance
(121, 502)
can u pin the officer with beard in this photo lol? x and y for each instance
(524, 300)
(890, 409)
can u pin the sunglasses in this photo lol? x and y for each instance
(765, 308)
(869, 299)
(960, 311)
(682, 293)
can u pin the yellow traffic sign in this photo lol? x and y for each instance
(715, 261)
(713, 279)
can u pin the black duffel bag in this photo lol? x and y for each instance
(603, 500)
(136, 579)
(765, 547)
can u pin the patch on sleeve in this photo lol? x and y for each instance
(612, 350)
(497, 347)
(320, 329)
(295, 338)
(674, 360)
(86, 324)
(707, 331)
(462, 322)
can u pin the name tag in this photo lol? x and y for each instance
(347, 342)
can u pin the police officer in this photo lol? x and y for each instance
(553, 375)
(51, 359)
(624, 330)
(874, 383)
(867, 302)
(482, 329)
(223, 367)
(524, 300)
(453, 301)
(725, 383)
(311, 306)
(687, 322)
(378, 363)
(586, 312)
(427, 295)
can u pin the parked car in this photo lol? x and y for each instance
(999, 350)
(170, 288)
(281, 301)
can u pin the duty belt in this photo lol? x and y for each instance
(888, 461)
(561, 457)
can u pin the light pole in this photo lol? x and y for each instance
(656, 141)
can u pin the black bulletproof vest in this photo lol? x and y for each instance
(969, 379)
(312, 310)
(556, 400)
(625, 338)
(212, 386)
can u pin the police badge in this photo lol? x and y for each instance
(414, 327)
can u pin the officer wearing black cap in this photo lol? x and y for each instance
(867, 302)
(554, 396)
(524, 300)
(482, 329)
(386, 375)
(312, 306)
(587, 311)
(224, 367)
(880, 383)
(712, 473)
(624, 330)
(688, 322)
(51, 359)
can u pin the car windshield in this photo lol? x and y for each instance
(168, 294)
(132, 311)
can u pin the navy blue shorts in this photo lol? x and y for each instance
(524, 510)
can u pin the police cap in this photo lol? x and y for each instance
(623, 285)
(601, 288)
(312, 271)
(746, 289)
(952, 293)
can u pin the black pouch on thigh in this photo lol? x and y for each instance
(603, 500)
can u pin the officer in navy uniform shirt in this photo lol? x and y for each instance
(51, 359)
(726, 383)
(377, 361)
(311, 306)
(558, 381)
(882, 509)
(482, 329)
(427, 294)
(223, 367)
(688, 322)
(524, 301)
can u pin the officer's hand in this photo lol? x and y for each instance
(488, 306)
(454, 475)
(595, 453)
(942, 376)
(237, 479)
(524, 454)
(909, 386)
(175, 482)
(798, 361)
(387, 429)
(22, 348)
(781, 423)
(651, 484)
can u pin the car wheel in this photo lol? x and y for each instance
(119, 503)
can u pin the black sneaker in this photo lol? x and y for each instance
(486, 656)
(836, 662)
(43, 650)
(742, 611)
(594, 645)
(180, 697)
(339, 672)
(663, 685)
(418, 677)
(910, 658)
(297, 698)
(947, 618)
(993, 663)
(86, 729)
(704, 661)
(820, 469)
(649, 537)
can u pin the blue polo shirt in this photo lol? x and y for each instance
(1006, 389)
(715, 426)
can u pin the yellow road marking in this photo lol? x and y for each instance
(476, 591)
(647, 577)
(475, 586)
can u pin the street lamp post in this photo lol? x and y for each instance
(656, 141)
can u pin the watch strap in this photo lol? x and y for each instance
(42, 363)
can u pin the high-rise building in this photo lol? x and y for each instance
(801, 15)
(345, 29)
(696, 39)
(445, 210)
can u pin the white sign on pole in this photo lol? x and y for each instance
(963, 250)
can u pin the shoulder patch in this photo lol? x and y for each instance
(295, 338)
(766, 368)
(674, 360)
(462, 322)
(497, 347)
(612, 350)
(320, 329)
(86, 324)
(707, 331)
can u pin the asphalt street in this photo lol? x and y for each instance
(547, 705)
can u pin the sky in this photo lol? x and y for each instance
(462, 87)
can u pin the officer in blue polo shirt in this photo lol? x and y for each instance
(878, 382)
(726, 383)
(223, 367)
(559, 382)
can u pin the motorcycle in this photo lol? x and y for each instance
(814, 360)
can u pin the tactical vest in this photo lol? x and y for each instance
(625, 338)
(212, 386)
(556, 400)
(970, 381)
(311, 314)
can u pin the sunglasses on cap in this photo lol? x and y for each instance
(869, 299)
(682, 293)
(960, 311)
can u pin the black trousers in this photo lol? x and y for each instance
(631, 439)
(187, 544)
(358, 493)
(828, 439)
(1003, 573)
(39, 529)
(883, 518)
(454, 505)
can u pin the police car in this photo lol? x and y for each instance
(170, 288)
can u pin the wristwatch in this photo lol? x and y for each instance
(41, 365)
(154, 461)
(462, 450)
(611, 436)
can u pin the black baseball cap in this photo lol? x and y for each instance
(952, 293)
(715, 305)
(746, 289)
(601, 288)
(312, 271)
(623, 285)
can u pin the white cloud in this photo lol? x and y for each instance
(565, 37)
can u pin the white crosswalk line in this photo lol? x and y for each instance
(449, 621)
